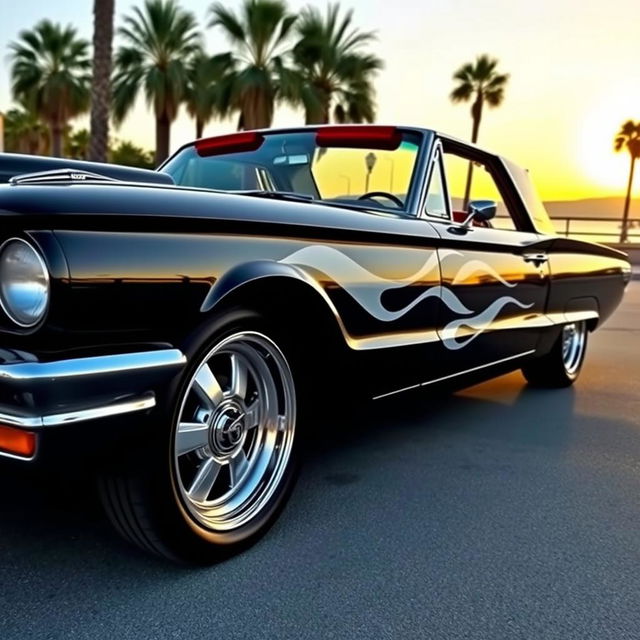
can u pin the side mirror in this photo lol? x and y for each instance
(480, 210)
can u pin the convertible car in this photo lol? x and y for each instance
(184, 336)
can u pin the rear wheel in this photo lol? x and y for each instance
(562, 365)
(227, 460)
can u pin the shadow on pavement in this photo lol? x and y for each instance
(55, 517)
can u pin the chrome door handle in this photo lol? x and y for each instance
(536, 258)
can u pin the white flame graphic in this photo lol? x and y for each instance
(478, 323)
(367, 289)
(472, 267)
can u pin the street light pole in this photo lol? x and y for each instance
(391, 162)
(370, 162)
(348, 181)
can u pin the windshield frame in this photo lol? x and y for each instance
(423, 139)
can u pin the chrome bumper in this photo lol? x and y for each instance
(39, 395)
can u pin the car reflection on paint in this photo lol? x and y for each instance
(193, 329)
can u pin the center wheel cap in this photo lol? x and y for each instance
(227, 430)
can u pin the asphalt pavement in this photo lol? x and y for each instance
(497, 512)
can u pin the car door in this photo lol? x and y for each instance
(495, 275)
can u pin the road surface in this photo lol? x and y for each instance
(498, 512)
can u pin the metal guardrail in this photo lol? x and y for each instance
(633, 228)
(606, 229)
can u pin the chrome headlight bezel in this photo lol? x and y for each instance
(10, 308)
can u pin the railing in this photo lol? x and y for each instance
(606, 228)
(599, 229)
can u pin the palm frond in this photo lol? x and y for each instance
(159, 39)
(331, 60)
(50, 71)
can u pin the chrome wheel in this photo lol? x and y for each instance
(573, 344)
(234, 431)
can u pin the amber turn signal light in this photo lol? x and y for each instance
(17, 442)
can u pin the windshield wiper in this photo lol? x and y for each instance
(277, 195)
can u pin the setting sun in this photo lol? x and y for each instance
(595, 154)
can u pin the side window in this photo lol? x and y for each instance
(482, 187)
(436, 204)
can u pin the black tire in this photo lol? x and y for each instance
(562, 365)
(149, 495)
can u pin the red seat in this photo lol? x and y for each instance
(461, 216)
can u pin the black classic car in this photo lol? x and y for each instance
(184, 336)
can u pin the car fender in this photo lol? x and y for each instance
(249, 272)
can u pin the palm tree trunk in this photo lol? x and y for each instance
(56, 139)
(257, 110)
(316, 117)
(476, 115)
(101, 83)
(163, 132)
(627, 204)
(199, 128)
(320, 115)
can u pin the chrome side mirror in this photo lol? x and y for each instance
(481, 210)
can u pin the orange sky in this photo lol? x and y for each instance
(574, 68)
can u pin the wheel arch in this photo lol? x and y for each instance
(282, 291)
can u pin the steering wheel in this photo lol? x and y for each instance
(382, 194)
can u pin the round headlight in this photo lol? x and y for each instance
(24, 283)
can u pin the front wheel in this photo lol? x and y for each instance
(561, 366)
(231, 456)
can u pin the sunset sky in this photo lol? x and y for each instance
(575, 77)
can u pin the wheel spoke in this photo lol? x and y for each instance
(207, 387)
(204, 480)
(253, 414)
(237, 466)
(239, 376)
(191, 436)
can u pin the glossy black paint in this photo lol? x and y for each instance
(135, 265)
(15, 164)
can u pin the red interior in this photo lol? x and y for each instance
(461, 216)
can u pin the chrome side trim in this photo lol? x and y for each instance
(455, 375)
(21, 421)
(572, 316)
(148, 401)
(394, 340)
(130, 405)
(92, 366)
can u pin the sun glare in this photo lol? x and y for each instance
(595, 140)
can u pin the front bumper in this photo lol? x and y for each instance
(38, 397)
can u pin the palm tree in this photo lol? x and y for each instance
(628, 138)
(130, 155)
(478, 81)
(101, 84)
(333, 68)
(260, 37)
(208, 88)
(77, 144)
(50, 73)
(24, 132)
(160, 39)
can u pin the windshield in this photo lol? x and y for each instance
(331, 165)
